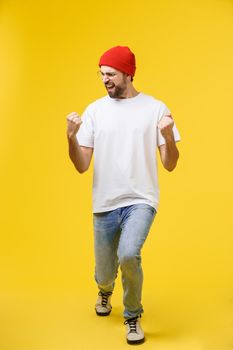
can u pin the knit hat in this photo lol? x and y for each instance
(121, 58)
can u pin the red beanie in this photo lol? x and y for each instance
(121, 58)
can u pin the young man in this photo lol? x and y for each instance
(123, 130)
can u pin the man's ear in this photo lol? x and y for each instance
(129, 77)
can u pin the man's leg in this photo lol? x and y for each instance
(106, 238)
(137, 220)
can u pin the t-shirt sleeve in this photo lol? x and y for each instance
(160, 139)
(85, 134)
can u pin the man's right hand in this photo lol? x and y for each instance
(73, 124)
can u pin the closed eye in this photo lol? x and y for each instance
(108, 74)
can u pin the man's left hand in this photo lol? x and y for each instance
(165, 125)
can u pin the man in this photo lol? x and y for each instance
(123, 130)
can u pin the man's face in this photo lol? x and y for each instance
(115, 81)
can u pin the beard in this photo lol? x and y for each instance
(116, 91)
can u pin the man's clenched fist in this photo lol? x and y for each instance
(73, 124)
(165, 125)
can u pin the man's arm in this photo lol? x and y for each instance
(169, 153)
(80, 155)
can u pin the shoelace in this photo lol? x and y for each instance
(105, 297)
(132, 324)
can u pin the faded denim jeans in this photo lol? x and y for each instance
(119, 236)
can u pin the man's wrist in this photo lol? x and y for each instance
(71, 137)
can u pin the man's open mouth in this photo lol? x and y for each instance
(109, 87)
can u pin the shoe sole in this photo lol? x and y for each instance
(102, 313)
(135, 342)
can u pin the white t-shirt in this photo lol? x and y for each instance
(124, 135)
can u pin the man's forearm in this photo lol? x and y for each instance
(76, 154)
(171, 154)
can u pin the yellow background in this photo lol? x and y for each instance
(48, 62)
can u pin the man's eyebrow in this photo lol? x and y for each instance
(108, 72)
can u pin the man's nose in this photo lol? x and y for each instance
(105, 78)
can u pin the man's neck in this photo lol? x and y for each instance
(130, 92)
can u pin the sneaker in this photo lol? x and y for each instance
(134, 333)
(103, 306)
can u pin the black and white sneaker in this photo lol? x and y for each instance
(134, 332)
(103, 304)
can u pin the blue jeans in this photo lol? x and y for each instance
(119, 236)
